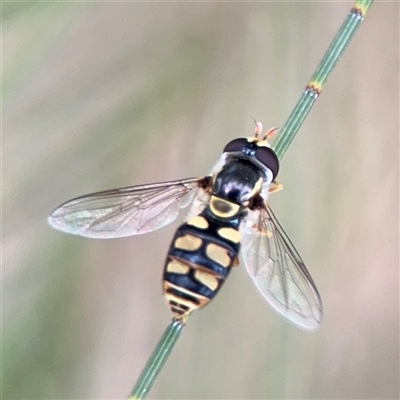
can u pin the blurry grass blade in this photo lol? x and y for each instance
(314, 87)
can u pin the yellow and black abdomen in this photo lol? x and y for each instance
(201, 255)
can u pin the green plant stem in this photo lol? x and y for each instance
(314, 87)
(287, 133)
(157, 360)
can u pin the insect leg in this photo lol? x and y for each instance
(275, 187)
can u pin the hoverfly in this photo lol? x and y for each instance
(229, 215)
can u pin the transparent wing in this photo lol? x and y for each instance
(123, 212)
(278, 270)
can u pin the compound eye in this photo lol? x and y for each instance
(268, 157)
(235, 145)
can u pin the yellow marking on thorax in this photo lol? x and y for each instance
(230, 234)
(188, 242)
(223, 208)
(206, 278)
(198, 222)
(256, 189)
(218, 254)
(177, 267)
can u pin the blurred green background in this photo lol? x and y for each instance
(102, 95)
